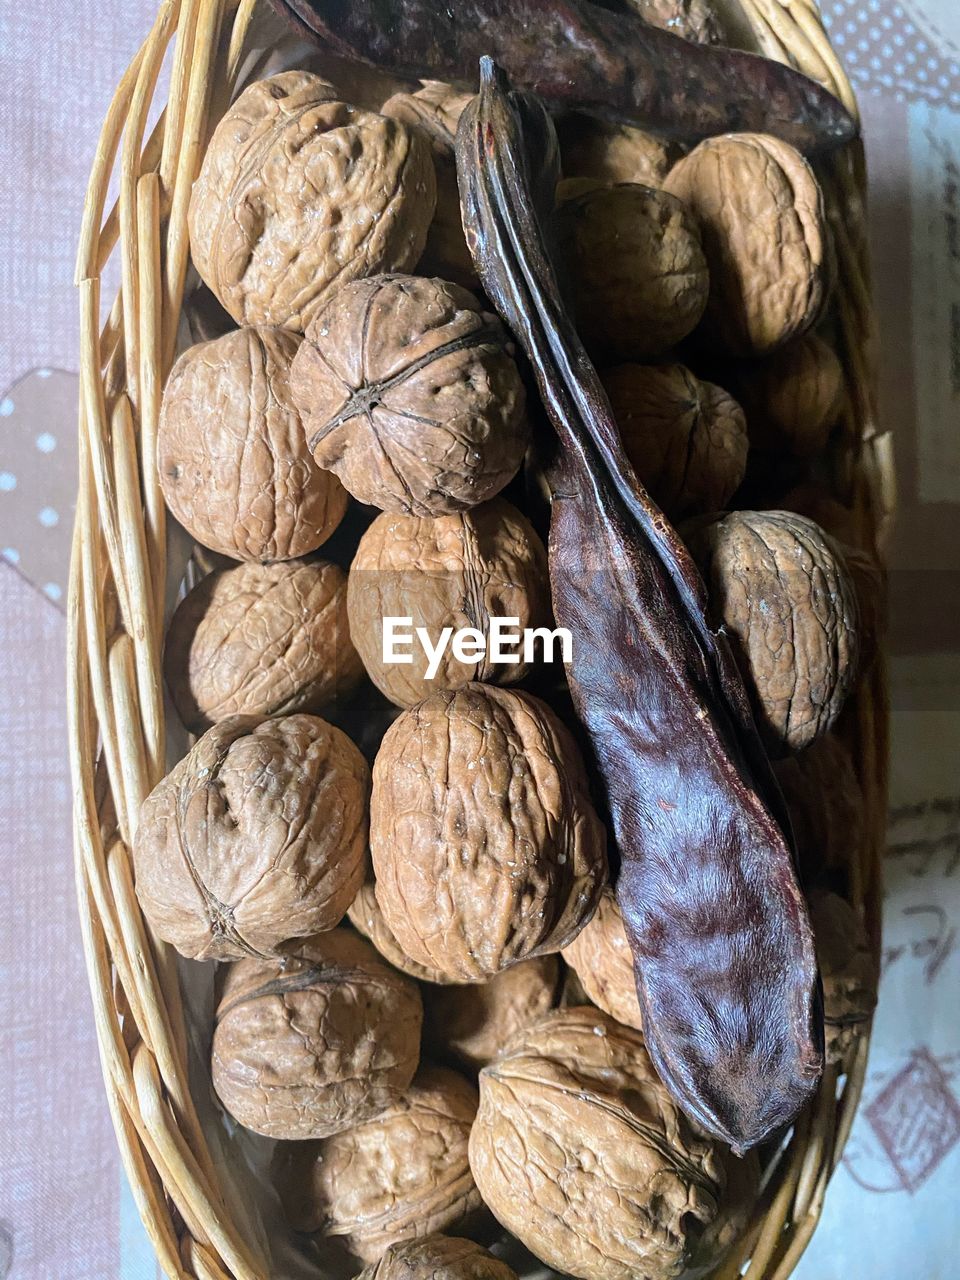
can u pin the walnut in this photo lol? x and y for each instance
(742, 1178)
(825, 802)
(365, 915)
(600, 956)
(437, 1258)
(639, 275)
(611, 153)
(472, 1024)
(786, 601)
(261, 639)
(687, 439)
(299, 194)
(310, 1044)
(435, 111)
(580, 1151)
(761, 214)
(257, 836)
(400, 1176)
(233, 462)
(848, 969)
(452, 571)
(409, 392)
(792, 398)
(485, 844)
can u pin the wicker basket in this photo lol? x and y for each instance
(118, 585)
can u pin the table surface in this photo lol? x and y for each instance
(64, 1206)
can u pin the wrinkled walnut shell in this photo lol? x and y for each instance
(785, 598)
(611, 153)
(792, 398)
(472, 1024)
(485, 844)
(450, 571)
(438, 1258)
(580, 1151)
(410, 395)
(233, 462)
(687, 439)
(366, 917)
(825, 803)
(257, 836)
(848, 970)
(299, 194)
(638, 271)
(318, 1041)
(600, 956)
(761, 214)
(261, 640)
(400, 1176)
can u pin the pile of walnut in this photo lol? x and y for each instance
(426, 994)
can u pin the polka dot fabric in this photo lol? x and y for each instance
(910, 52)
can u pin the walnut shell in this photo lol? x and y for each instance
(792, 398)
(450, 571)
(257, 836)
(638, 270)
(299, 194)
(472, 1024)
(261, 640)
(848, 969)
(788, 606)
(366, 917)
(825, 802)
(611, 153)
(435, 111)
(400, 1176)
(761, 215)
(437, 1258)
(485, 844)
(315, 1042)
(600, 956)
(410, 394)
(233, 462)
(580, 1151)
(687, 439)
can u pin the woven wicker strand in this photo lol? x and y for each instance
(115, 623)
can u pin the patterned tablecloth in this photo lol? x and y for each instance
(64, 1208)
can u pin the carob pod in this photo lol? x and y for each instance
(578, 56)
(724, 955)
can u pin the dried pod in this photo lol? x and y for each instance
(848, 968)
(582, 1153)
(257, 836)
(435, 110)
(485, 844)
(792, 398)
(409, 392)
(472, 1024)
(600, 956)
(761, 215)
(611, 153)
(785, 598)
(695, 20)
(437, 1258)
(455, 571)
(400, 1176)
(233, 462)
(825, 802)
(639, 274)
(365, 915)
(299, 193)
(319, 1040)
(687, 439)
(261, 640)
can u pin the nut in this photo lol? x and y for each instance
(611, 153)
(438, 1258)
(639, 274)
(257, 836)
(365, 915)
(687, 439)
(486, 847)
(580, 1151)
(825, 802)
(600, 956)
(761, 214)
(261, 640)
(410, 394)
(315, 1042)
(792, 398)
(785, 598)
(233, 462)
(400, 1176)
(454, 571)
(848, 970)
(472, 1024)
(299, 194)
